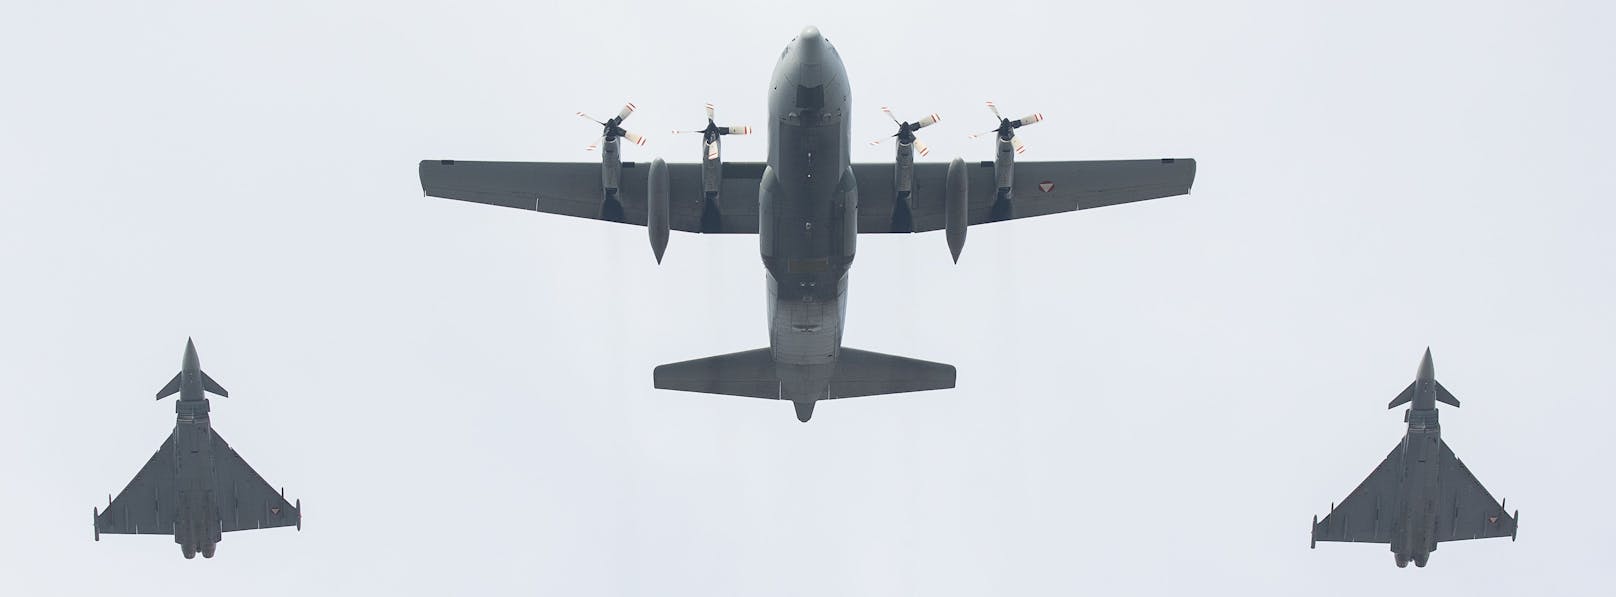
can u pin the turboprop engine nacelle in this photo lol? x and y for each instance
(956, 190)
(656, 207)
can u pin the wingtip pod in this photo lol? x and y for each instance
(1313, 534)
(1517, 529)
(299, 508)
(95, 522)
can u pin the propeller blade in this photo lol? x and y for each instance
(590, 118)
(597, 143)
(888, 112)
(995, 110)
(878, 141)
(1029, 119)
(921, 148)
(634, 138)
(1016, 143)
(628, 108)
(709, 111)
(928, 121)
(983, 133)
(740, 130)
(685, 132)
(712, 151)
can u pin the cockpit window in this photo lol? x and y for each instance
(811, 98)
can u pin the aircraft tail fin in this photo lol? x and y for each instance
(1444, 396)
(213, 386)
(1404, 397)
(172, 387)
(747, 373)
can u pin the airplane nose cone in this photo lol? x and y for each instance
(811, 46)
(1427, 369)
(192, 363)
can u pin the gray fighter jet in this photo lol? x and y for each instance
(807, 205)
(1421, 494)
(196, 486)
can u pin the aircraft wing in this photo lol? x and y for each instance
(148, 505)
(246, 501)
(1464, 509)
(1040, 188)
(574, 189)
(1366, 515)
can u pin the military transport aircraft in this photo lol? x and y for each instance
(1421, 494)
(807, 205)
(196, 486)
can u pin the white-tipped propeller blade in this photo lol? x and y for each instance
(628, 108)
(921, 148)
(590, 118)
(740, 130)
(888, 112)
(634, 138)
(1016, 143)
(1029, 119)
(878, 141)
(983, 134)
(995, 110)
(709, 111)
(592, 146)
(712, 151)
(929, 120)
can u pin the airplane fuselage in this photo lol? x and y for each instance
(1415, 539)
(196, 524)
(808, 212)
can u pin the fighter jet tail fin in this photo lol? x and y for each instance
(172, 387)
(1445, 397)
(1403, 398)
(213, 386)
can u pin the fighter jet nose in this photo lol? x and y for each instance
(191, 361)
(1427, 369)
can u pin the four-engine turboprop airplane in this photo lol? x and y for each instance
(807, 204)
(196, 487)
(1421, 494)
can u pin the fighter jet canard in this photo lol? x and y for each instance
(807, 204)
(196, 487)
(1422, 494)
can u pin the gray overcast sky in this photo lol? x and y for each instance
(1153, 399)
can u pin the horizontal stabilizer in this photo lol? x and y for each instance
(1403, 398)
(748, 373)
(865, 373)
(1444, 396)
(752, 373)
(172, 387)
(213, 386)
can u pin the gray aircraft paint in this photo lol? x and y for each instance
(195, 487)
(1421, 494)
(808, 203)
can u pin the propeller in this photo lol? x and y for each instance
(906, 130)
(1007, 128)
(613, 128)
(710, 135)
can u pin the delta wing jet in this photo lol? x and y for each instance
(196, 487)
(1421, 495)
(807, 204)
